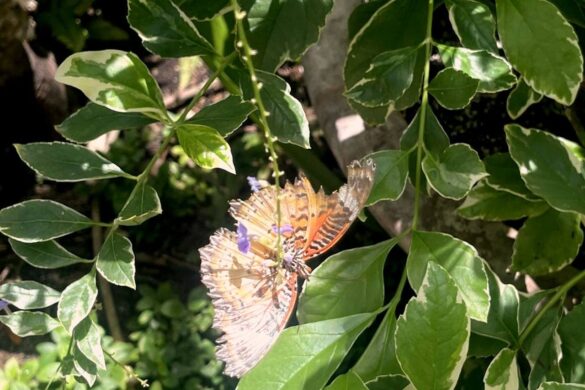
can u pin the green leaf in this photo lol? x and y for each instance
(489, 204)
(46, 255)
(521, 97)
(28, 323)
(436, 315)
(225, 116)
(459, 259)
(547, 243)
(29, 294)
(115, 261)
(387, 79)
(453, 89)
(493, 72)
(61, 161)
(561, 386)
(435, 139)
(502, 320)
(474, 24)
(115, 79)
(542, 345)
(572, 10)
(77, 300)
(84, 367)
(206, 147)
(454, 172)
(573, 344)
(386, 382)
(287, 119)
(549, 166)
(396, 25)
(93, 120)
(306, 356)
(275, 31)
(347, 381)
(40, 220)
(202, 10)
(379, 358)
(504, 175)
(166, 30)
(390, 177)
(88, 340)
(502, 373)
(543, 46)
(347, 283)
(142, 204)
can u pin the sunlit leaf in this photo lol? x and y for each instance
(473, 23)
(40, 220)
(459, 259)
(165, 29)
(206, 147)
(28, 323)
(349, 282)
(28, 294)
(306, 356)
(115, 261)
(493, 72)
(502, 373)
(77, 300)
(390, 177)
(549, 166)
(115, 79)
(435, 315)
(543, 46)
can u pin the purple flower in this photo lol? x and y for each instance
(254, 184)
(284, 229)
(243, 239)
(3, 304)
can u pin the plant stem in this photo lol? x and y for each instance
(248, 53)
(129, 371)
(224, 62)
(423, 116)
(560, 294)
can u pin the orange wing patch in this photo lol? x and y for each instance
(253, 294)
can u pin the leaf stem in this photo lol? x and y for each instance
(129, 371)
(248, 53)
(560, 294)
(423, 117)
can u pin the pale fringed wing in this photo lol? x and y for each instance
(331, 215)
(252, 301)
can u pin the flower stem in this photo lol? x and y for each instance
(248, 53)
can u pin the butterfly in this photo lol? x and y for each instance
(253, 292)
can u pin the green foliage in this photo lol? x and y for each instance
(462, 318)
(173, 340)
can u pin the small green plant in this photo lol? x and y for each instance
(174, 340)
(47, 371)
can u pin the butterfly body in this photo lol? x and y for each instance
(251, 280)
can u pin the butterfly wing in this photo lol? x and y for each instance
(331, 215)
(252, 301)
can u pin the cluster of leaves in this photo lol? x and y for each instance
(173, 340)
(461, 310)
(42, 372)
